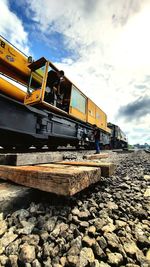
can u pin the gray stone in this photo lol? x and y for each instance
(50, 224)
(91, 230)
(44, 236)
(31, 239)
(63, 261)
(27, 264)
(73, 251)
(84, 224)
(102, 242)
(54, 251)
(124, 186)
(132, 265)
(112, 205)
(1, 216)
(3, 260)
(120, 223)
(55, 233)
(63, 229)
(130, 247)
(73, 260)
(148, 255)
(110, 227)
(6, 240)
(87, 241)
(46, 250)
(77, 242)
(141, 236)
(99, 223)
(103, 264)
(147, 177)
(3, 227)
(112, 239)
(27, 228)
(36, 263)
(86, 256)
(47, 262)
(75, 219)
(27, 253)
(95, 264)
(83, 215)
(75, 211)
(22, 214)
(147, 192)
(115, 258)
(13, 260)
(13, 247)
(99, 253)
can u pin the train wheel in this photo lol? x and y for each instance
(8, 147)
(52, 148)
(39, 146)
(22, 147)
(78, 147)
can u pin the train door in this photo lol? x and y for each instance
(37, 82)
(48, 87)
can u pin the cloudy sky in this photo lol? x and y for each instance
(102, 45)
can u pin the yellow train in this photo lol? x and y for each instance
(40, 115)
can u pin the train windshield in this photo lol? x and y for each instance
(37, 75)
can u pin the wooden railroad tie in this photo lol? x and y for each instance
(123, 151)
(107, 168)
(96, 156)
(29, 158)
(64, 178)
(55, 178)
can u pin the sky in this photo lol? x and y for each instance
(103, 46)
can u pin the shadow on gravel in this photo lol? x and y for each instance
(23, 200)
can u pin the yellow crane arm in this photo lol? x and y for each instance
(13, 63)
(11, 90)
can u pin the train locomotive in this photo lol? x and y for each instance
(118, 139)
(32, 117)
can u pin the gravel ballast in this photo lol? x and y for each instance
(106, 225)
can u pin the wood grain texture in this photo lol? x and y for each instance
(96, 156)
(59, 179)
(20, 159)
(107, 168)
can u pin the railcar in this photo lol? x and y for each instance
(30, 118)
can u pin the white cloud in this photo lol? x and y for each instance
(11, 28)
(112, 41)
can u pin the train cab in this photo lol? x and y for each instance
(50, 88)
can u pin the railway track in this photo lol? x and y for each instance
(45, 149)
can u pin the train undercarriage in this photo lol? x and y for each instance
(24, 126)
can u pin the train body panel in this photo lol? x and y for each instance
(101, 119)
(91, 112)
